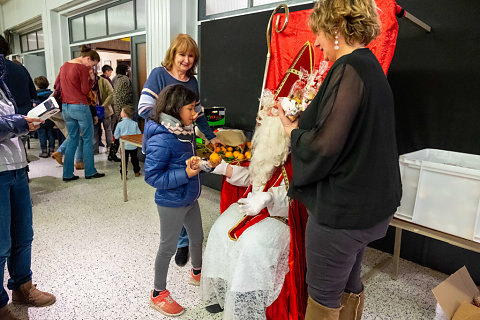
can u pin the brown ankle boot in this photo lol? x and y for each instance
(315, 311)
(79, 165)
(352, 306)
(57, 156)
(5, 314)
(30, 295)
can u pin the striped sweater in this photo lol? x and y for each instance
(159, 79)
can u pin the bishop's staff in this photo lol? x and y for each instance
(402, 13)
(287, 12)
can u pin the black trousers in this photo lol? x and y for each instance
(334, 259)
(134, 158)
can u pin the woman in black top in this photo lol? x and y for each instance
(344, 156)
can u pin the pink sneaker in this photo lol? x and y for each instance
(194, 279)
(165, 304)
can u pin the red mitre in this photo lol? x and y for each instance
(304, 60)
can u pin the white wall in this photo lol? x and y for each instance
(164, 19)
(2, 22)
(16, 12)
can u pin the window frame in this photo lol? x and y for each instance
(26, 34)
(202, 9)
(105, 10)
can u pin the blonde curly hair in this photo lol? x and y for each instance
(357, 20)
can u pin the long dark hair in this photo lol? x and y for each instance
(171, 100)
(122, 68)
(4, 46)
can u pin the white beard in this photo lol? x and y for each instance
(270, 147)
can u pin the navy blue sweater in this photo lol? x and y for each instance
(158, 79)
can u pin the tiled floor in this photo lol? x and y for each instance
(96, 253)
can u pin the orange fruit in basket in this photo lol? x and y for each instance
(229, 149)
(229, 155)
(223, 149)
(236, 153)
(240, 156)
(248, 155)
(249, 145)
(215, 158)
(217, 149)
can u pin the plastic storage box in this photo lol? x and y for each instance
(441, 190)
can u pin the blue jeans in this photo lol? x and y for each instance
(63, 146)
(183, 239)
(45, 133)
(59, 135)
(16, 231)
(78, 152)
(78, 120)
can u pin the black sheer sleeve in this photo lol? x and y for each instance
(316, 150)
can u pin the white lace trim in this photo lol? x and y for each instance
(247, 275)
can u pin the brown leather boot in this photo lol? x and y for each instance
(79, 165)
(352, 306)
(5, 314)
(57, 156)
(28, 294)
(315, 311)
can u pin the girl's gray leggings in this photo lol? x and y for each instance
(171, 222)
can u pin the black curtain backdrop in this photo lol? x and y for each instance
(233, 57)
(434, 78)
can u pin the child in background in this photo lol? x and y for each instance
(171, 167)
(46, 131)
(126, 127)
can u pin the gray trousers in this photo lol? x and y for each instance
(334, 259)
(171, 222)
(107, 125)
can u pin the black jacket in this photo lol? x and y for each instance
(21, 86)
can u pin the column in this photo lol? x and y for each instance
(165, 19)
(158, 31)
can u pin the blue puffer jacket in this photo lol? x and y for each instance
(165, 167)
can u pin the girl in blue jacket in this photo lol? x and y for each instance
(171, 167)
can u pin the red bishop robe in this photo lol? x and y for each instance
(292, 301)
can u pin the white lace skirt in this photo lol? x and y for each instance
(244, 276)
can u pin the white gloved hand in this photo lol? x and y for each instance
(204, 165)
(280, 204)
(221, 168)
(254, 202)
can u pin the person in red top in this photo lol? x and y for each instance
(74, 83)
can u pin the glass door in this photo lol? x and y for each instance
(138, 51)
